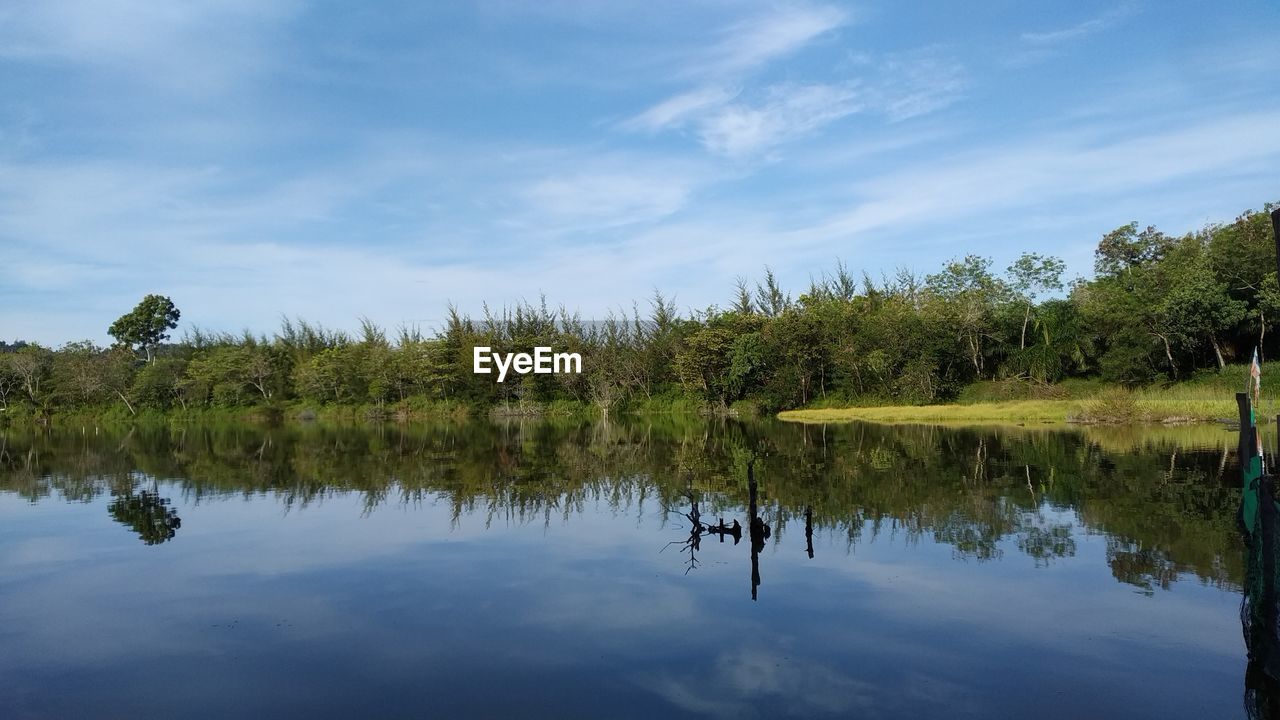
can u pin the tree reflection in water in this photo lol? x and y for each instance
(758, 530)
(1165, 500)
(147, 514)
(697, 529)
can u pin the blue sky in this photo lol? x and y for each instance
(253, 158)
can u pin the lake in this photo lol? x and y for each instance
(565, 569)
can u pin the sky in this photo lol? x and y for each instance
(253, 159)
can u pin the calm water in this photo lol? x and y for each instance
(555, 570)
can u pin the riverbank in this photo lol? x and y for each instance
(412, 410)
(1021, 411)
(1199, 401)
(1204, 398)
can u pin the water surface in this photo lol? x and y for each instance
(543, 569)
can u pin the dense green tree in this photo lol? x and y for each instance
(10, 382)
(461, 335)
(706, 354)
(1243, 257)
(770, 298)
(1200, 308)
(158, 384)
(1126, 306)
(609, 371)
(796, 359)
(1125, 249)
(32, 365)
(84, 374)
(1266, 306)
(1058, 344)
(660, 338)
(147, 325)
(1029, 276)
(415, 368)
(220, 376)
(330, 376)
(970, 294)
(77, 374)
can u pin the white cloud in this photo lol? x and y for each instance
(916, 84)
(727, 122)
(1076, 165)
(729, 117)
(734, 681)
(787, 112)
(195, 47)
(226, 245)
(1104, 21)
(740, 124)
(751, 43)
(678, 109)
(610, 199)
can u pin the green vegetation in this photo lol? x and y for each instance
(147, 325)
(1160, 310)
(995, 413)
(1206, 397)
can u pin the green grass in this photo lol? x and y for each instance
(1205, 397)
(1009, 412)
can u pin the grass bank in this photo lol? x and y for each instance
(1010, 412)
(1207, 397)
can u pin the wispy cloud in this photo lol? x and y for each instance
(678, 109)
(787, 111)
(614, 193)
(728, 123)
(731, 117)
(197, 47)
(743, 123)
(1098, 24)
(916, 84)
(741, 678)
(750, 43)
(1048, 169)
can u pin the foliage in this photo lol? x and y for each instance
(1161, 308)
(147, 324)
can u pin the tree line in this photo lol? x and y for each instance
(1158, 308)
